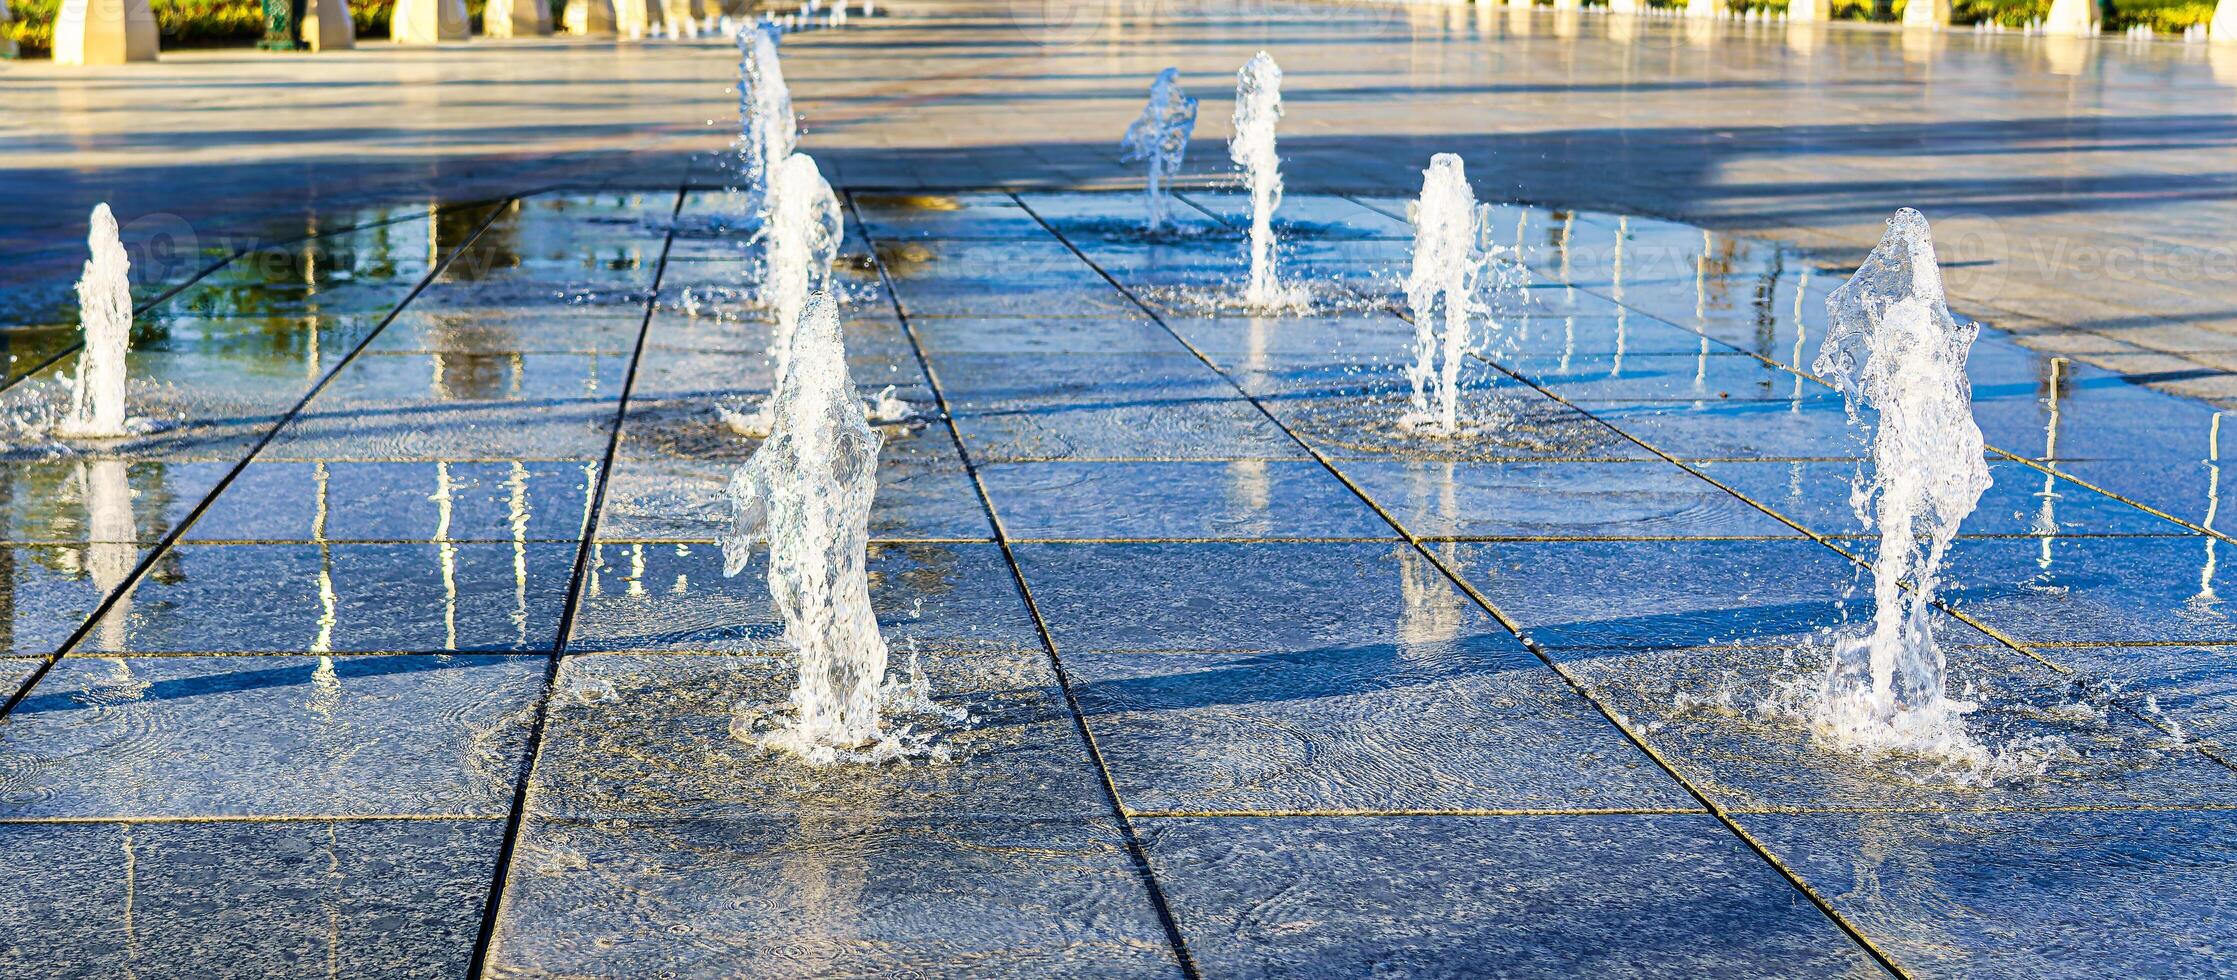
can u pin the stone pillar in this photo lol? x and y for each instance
(1921, 14)
(1705, 8)
(2078, 18)
(104, 32)
(516, 18)
(636, 18)
(590, 18)
(1809, 11)
(7, 41)
(429, 21)
(327, 25)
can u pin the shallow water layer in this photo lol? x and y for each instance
(1191, 588)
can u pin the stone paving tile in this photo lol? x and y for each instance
(1596, 499)
(1506, 424)
(2192, 688)
(833, 895)
(2023, 894)
(923, 493)
(1317, 216)
(987, 215)
(1202, 427)
(269, 736)
(15, 670)
(675, 597)
(1681, 377)
(99, 501)
(1238, 499)
(418, 501)
(568, 428)
(1725, 429)
(2020, 500)
(1663, 593)
(453, 378)
(378, 898)
(636, 736)
(1243, 597)
(49, 591)
(1635, 896)
(2096, 590)
(1423, 724)
(1556, 336)
(945, 336)
(1735, 722)
(344, 597)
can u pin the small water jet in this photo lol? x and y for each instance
(1893, 347)
(1161, 136)
(768, 129)
(1448, 268)
(105, 318)
(1258, 110)
(806, 493)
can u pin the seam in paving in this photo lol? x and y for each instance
(148, 560)
(493, 903)
(1824, 906)
(1132, 836)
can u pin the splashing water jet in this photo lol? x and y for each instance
(768, 129)
(806, 493)
(801, 240)
(1258, 109)
(1441, 290)
(105, 318)
(1160, 136)
(1894, 347)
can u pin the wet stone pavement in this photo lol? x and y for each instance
(402, 649)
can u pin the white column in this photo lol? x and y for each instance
(1623, 6)
(7, 43)
(2223, 28)
(104, 32)
(1809, 11)
(588, 18)
(429, 21)
(1926, 13)
(327, 25)
(516, 18)
(2078, 18)
(1705, 8)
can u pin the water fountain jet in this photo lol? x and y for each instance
(806, 494)
(1160, 136)
(1893, 347)
(1447, 269)
(768, 129)
(105, 318)
(1258, 110)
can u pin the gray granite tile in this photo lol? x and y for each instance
(269, 736)
(1558, 500)
(336, 899)
(1236, 499)
(1608, 896)
(828, 895)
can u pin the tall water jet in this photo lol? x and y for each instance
(1160, 136)
(1258, 109)
(1893, 347)
(803, 234)
(806, 493)
(1441, 290)
(769, 131)
(105, 318)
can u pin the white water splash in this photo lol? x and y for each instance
(806, 492)
(1448, 269)
(1893, 347)
(768, 129)
(1161, 136)
(803, 239)
(105, 317)
(1258, 110)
